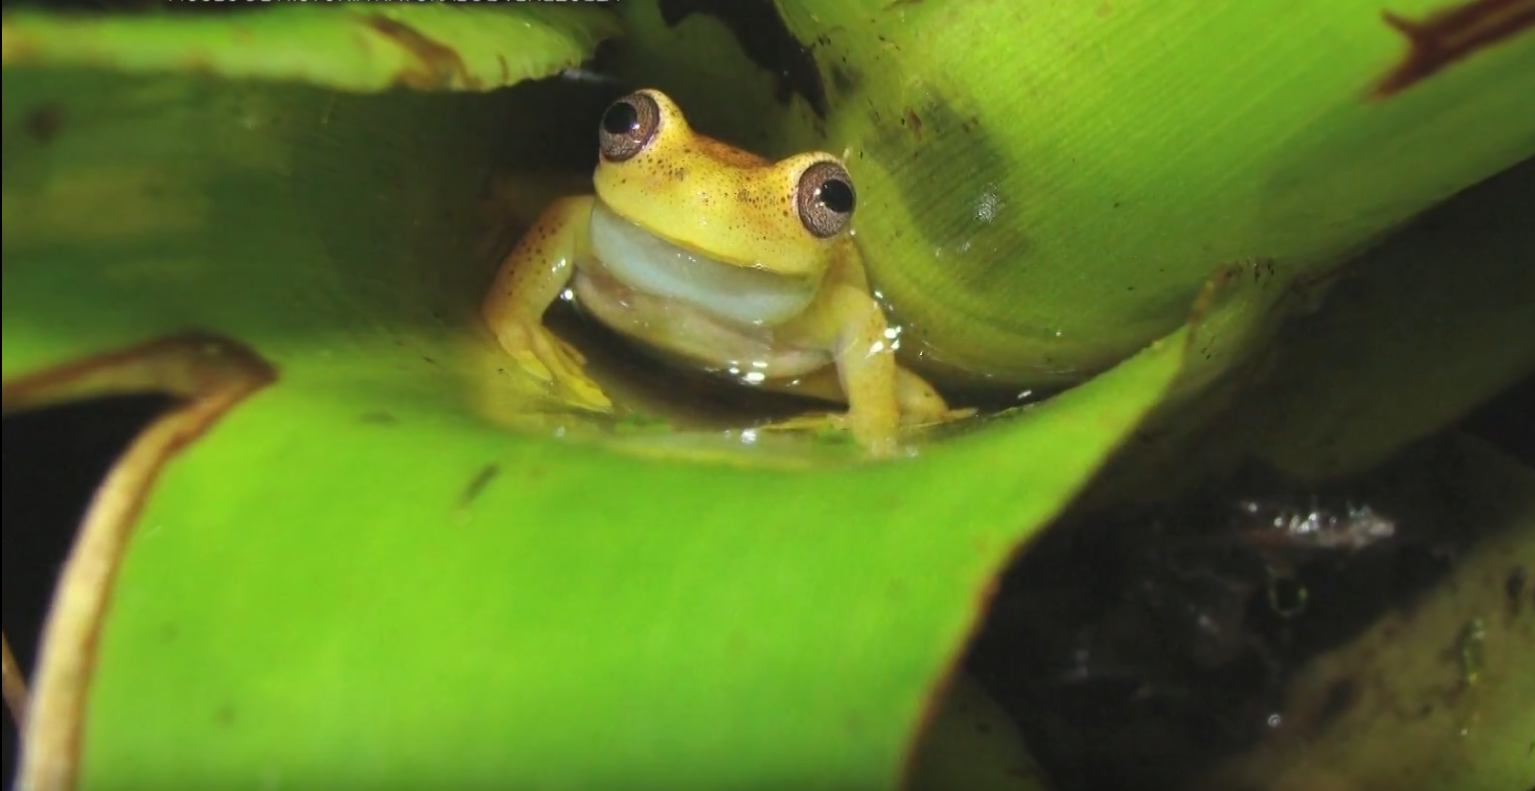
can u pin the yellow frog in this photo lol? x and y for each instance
(720, 259)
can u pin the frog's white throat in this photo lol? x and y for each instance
(645, 262)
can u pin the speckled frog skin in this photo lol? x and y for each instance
(719, 259)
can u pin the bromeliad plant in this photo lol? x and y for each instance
(364, 551)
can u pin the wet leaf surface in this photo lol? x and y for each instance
(358, 574)
(395, 563)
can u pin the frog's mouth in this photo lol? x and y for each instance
(645, 262)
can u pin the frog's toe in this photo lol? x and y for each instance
(947, 415)
(811, 421)
(567, 350)
(585, 393)
(877, 441)
(528, 361)
(550, 359)
(567, 368)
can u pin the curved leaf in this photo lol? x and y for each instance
(355, 576)
(1424, 329)
(1046, 187)
(1420, 331)
(349, 46)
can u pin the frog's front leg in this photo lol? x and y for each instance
(529, 281)
(867, 367)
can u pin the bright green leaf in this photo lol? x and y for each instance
(356, 575)
(359, 576)
(1045, 187)
(349, 46)
(1423, 330)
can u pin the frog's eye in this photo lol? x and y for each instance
(628, 126)
(825, 198)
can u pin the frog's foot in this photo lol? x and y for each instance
(549, 358)
(838, 421)
(876, 439)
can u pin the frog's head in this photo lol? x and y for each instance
(718, 204)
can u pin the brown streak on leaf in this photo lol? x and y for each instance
(1215, 287)
(1450, 35)
(14, 685)
(478, 484)
(211, 374)
(437, 64)
(1513, 589)
(44, 122)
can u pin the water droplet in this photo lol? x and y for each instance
(988, 205)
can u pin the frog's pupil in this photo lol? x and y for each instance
(620, 119)
(837, 195)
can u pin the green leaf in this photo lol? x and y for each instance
(1424, 329)
(1419, 332)
(1046, 187)
(473, 606)
(336, 566)
(333, 566)
(349, 46)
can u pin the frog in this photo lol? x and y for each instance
(710, 256)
